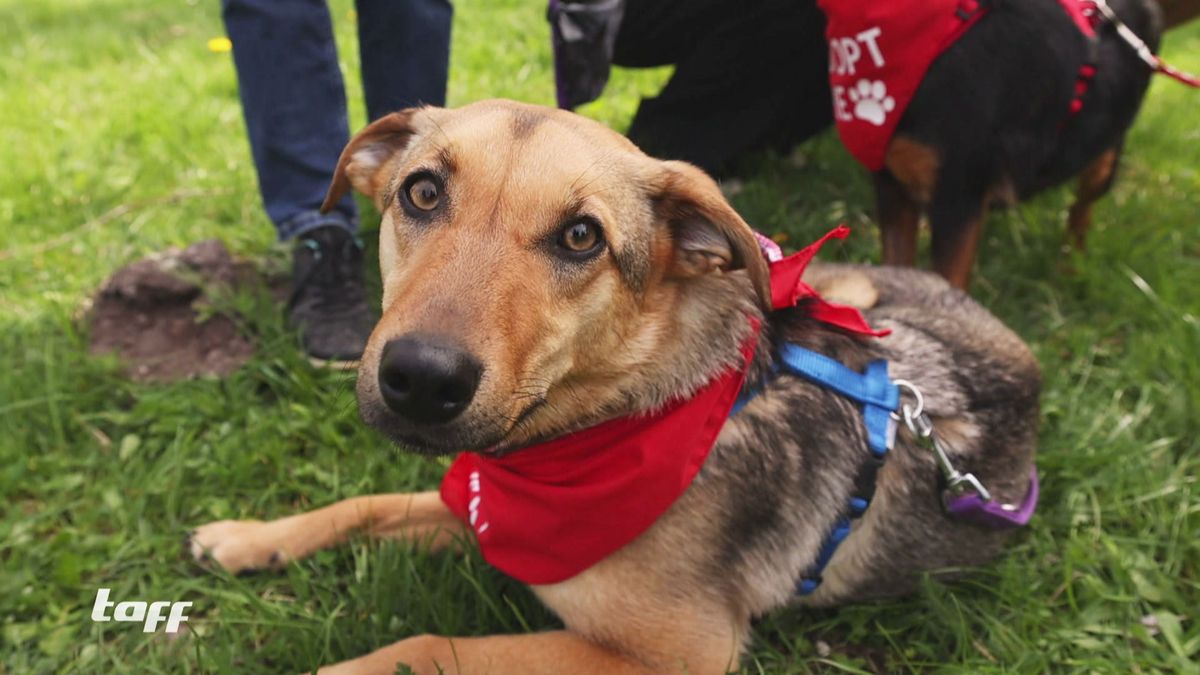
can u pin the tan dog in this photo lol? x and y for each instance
(541, 274)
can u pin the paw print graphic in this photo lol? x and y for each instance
(871, 101)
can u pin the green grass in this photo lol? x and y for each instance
(120, 134)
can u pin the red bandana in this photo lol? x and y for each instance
(879, 53)
(549, 511)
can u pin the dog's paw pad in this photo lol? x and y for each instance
(871, 101)
(239, 546)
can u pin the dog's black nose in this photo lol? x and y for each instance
(426, 379)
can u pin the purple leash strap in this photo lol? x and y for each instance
(973, 508)
(967, 498)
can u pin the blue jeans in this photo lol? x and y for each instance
(293, 98)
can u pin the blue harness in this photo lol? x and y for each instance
(879, 397)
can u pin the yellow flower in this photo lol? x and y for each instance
(219, 45)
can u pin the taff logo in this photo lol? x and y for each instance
(134, 611)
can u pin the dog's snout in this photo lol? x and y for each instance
(427, 379)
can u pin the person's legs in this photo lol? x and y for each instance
(405, 49)
(294, 105)
(748, 76)
(295, 109)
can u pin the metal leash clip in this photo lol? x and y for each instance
(918, 422)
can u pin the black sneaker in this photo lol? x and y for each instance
(328, 302)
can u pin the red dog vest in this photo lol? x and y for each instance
(880, 51)
(545, 513)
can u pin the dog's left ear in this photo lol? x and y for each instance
(708, 235)
(367, 153)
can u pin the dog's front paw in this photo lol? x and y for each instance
(239, 545)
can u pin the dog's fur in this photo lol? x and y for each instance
(1178, 12)
(662, 310)
(990, 123)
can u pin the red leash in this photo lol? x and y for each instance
(1143, 51)
(1175, 74)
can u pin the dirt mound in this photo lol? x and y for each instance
(155, 314)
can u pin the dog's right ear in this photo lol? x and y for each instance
(708, 234)
(367, 153)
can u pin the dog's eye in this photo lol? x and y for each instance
(581, 237)
(422, 192)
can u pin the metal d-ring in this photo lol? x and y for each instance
(909, 414)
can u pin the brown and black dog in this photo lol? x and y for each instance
(537, 256)
(992, 123)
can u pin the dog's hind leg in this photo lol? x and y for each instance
(1094, 182)
(1176, 12)
(652, 633)
(246, 545)
(901, 190)
(955, 221)
(899, 220)
(550, 652)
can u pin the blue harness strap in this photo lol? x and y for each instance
(879, 397)
(874, 389)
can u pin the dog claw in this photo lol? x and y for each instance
(190, 548)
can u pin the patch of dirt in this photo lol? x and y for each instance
(156, 314)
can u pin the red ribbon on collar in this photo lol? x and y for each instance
(547, 512)
(788, 289)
